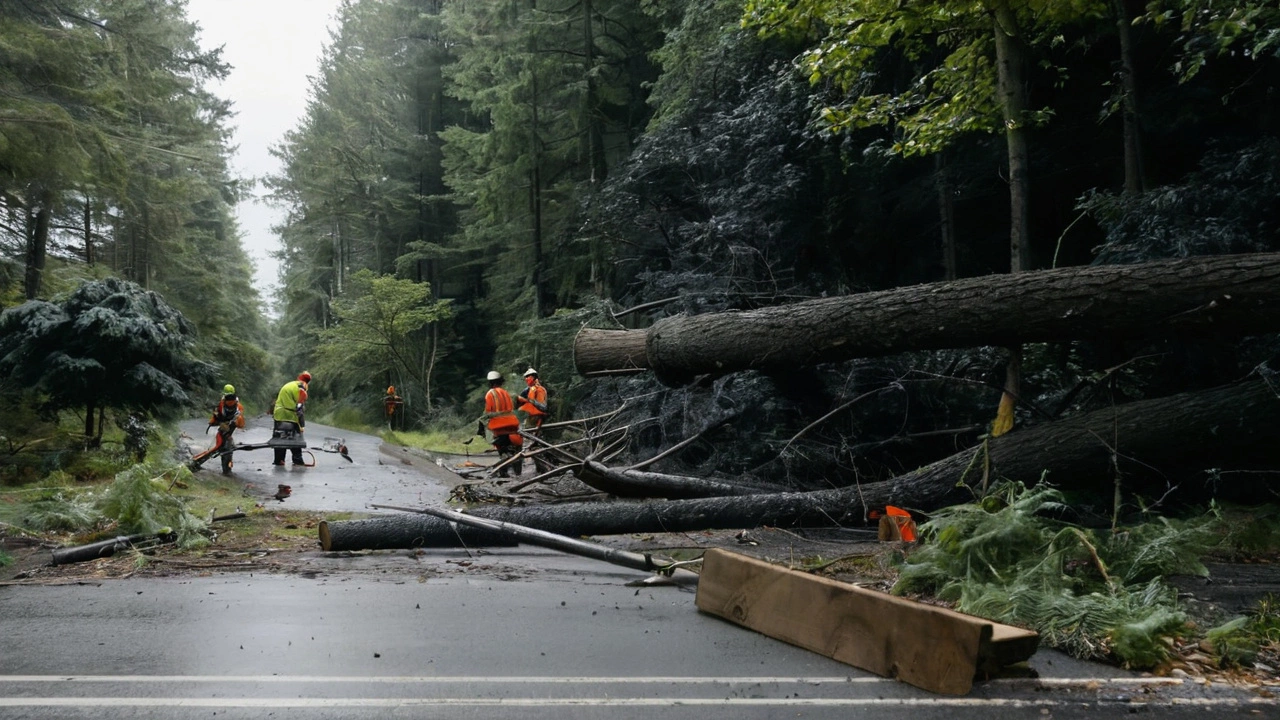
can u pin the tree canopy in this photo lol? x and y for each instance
(108, 345)
(494, 175)
(113, 161)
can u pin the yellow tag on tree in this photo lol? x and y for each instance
(1004, 416)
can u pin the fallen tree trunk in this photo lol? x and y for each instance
(640, 484)
(108, 547)
(389, 532)
(1220, 295)
(1170, 439)
(542, 538)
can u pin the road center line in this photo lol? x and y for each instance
(552, 680)
(109, 702)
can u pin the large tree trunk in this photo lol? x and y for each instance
(1226, 295)
(38, 244)
(1012, 92)
(640, 484)
(1135, 180)
(388, 532)
(1153, 443)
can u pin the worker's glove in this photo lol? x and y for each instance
(224, 427)
(480, 428)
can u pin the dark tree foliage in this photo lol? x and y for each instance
(496, 151)
(1231, 204)
(110, 344)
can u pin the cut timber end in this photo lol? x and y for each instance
(930, 647)
(324, 535)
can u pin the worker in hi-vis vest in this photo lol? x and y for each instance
(500, 411)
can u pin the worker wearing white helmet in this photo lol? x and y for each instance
(533, 402)
(500, 411)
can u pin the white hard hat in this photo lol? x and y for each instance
(493, 375)
(529, 372)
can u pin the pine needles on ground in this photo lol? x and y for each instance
(137, 501)
(57, 509)
(140, 502)
(1241, 640)
(1092, 595)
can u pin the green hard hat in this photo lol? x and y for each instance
(228, 389)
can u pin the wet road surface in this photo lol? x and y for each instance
(334, 484)
(573, 642)
(505, 633)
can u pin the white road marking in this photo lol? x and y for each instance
(109, 702)
(552, 680)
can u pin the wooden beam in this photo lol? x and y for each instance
(930, 647)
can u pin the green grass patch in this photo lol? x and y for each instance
(348, 418)
(441, 441)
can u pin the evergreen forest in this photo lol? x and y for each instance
(476, 181)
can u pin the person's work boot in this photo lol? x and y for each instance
(278, 463)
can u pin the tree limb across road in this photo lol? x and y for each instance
(1166, 440)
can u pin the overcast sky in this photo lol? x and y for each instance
(273, 47)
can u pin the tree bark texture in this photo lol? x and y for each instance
(1169, 439)
(38, 245)
(640, 484)
(1135, 180)
(388, 532)
(1012, 91)
(1224, 295)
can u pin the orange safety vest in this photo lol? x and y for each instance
(536, 393)
(497, 403)
(226, 412)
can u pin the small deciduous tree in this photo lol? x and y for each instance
(379, 328)
(109, 344)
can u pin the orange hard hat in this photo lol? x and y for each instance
(304, 376)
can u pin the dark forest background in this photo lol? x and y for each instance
(476, 180)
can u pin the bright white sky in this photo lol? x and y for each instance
(273, 47)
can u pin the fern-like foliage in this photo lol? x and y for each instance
(1093, 595)
(59, 511)
(138, 499)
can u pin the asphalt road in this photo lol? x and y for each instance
(334, 484)
(509, 633)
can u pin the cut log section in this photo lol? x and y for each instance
(930, 647)
(1227, 295)
(612, 352)
(1170, 439)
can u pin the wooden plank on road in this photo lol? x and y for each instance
(930, 647)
